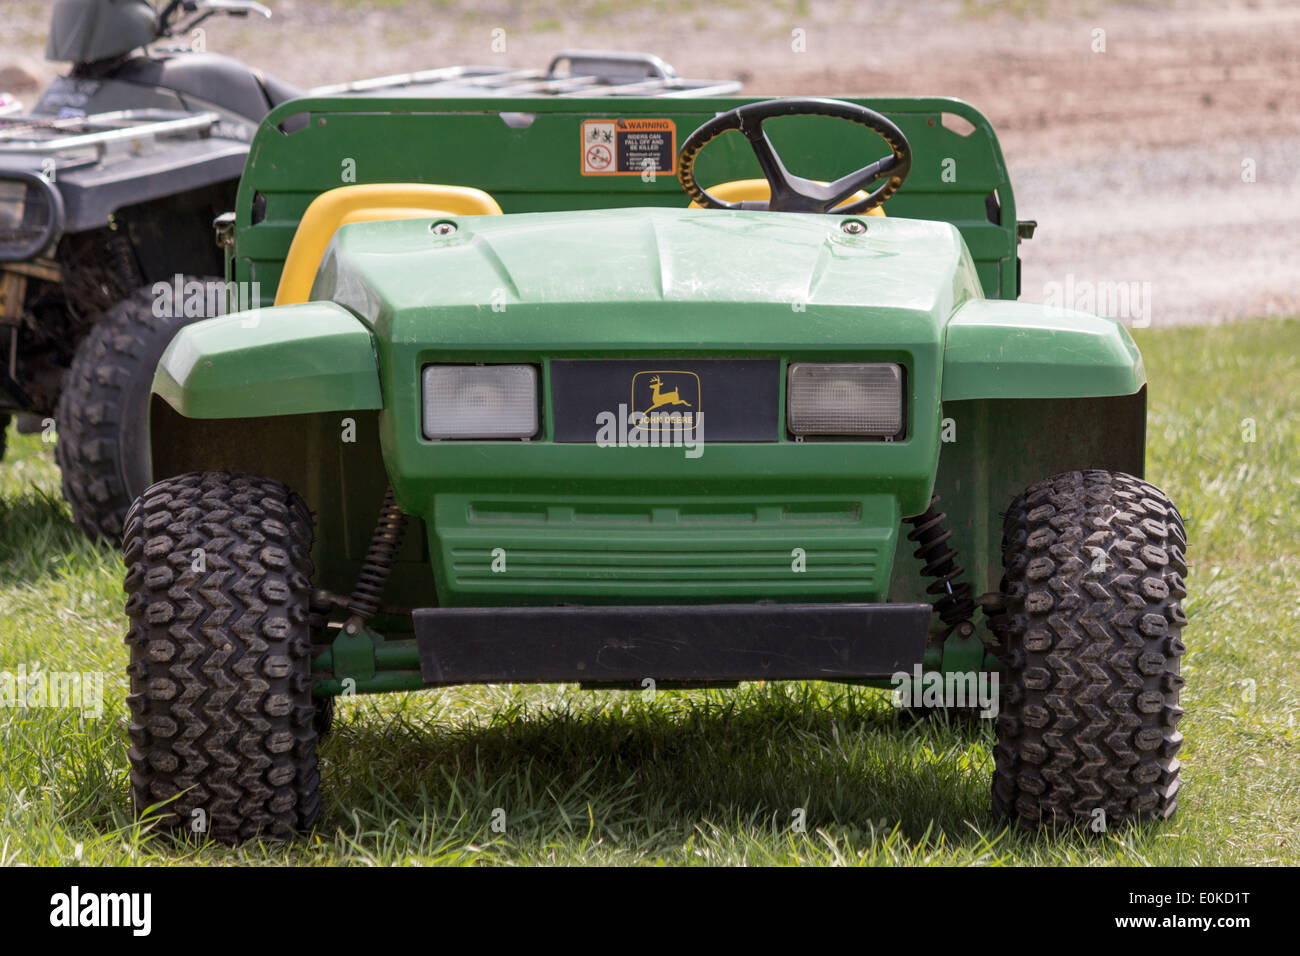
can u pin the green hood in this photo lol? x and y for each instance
(662, 278)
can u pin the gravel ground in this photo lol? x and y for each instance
(1170, 159)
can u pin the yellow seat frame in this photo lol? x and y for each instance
(367, 203)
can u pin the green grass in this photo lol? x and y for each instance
(714, 777)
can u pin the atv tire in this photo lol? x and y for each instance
(102, 412)
(323, 717)
(1087, 730)
(218, 584)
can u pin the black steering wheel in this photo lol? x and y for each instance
(791, 193)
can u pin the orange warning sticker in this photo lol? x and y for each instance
(629, 147)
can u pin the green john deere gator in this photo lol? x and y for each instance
(574, 390)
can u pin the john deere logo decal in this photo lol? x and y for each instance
(659, 401)
(664, 413)
(668, 399)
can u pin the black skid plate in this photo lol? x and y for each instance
(716, 642)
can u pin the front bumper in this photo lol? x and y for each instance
(669, 644)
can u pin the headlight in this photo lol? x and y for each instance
(845, 399)
(31, 213)
(480, 401)
(13, 199)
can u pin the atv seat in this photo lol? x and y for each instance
(203, 80)
(367, 203)
(277, 91)
(759, 190)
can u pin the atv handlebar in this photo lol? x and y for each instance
(204, 9)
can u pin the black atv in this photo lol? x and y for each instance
(108, 185)
(109, 188)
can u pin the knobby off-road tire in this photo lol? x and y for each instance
(221, 706)
(102, 412)
(1094, 572)
(323, 717)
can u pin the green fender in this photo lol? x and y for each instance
(1003, 349)
(289, 360)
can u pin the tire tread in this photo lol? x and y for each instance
(1094, 576)
(220, 698)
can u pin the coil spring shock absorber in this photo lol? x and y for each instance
(364, 601)
(955, 603)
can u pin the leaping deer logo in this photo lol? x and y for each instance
(660, 398)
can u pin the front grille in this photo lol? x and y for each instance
(696, 570)
(702, 550)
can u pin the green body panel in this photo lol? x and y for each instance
(292, 360)
(1019, 350)
(535, 165)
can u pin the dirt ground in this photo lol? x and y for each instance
(1155, 143)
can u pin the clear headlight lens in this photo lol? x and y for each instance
(480, 401)
(13, 200)
(845, 398)
(30, 215)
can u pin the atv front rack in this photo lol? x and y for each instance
(570, 73)
(133, 131)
